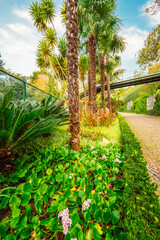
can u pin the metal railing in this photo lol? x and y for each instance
(23, 90)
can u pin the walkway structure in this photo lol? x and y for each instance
(130, 82)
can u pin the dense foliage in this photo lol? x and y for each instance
(149, 53)
(140, 203)
(87, 183)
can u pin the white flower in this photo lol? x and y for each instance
(92, 147)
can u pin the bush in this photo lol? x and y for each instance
(139, 105)
(104, 120)
(88, 120)
(140, 203)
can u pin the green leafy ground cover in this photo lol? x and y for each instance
(140, 203)
(45, 184)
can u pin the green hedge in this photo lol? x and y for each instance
(140, 202)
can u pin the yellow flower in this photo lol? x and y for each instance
(74, 189)
(93, 191)
(99, 228)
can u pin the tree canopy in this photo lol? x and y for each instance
(151, 50)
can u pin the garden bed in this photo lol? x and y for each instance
(88, 184)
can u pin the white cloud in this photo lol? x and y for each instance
(134, 38)
(19, 40)
(153, 20)
(23, 14)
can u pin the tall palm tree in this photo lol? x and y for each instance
(48, 8)
(72, 69)
(45, 50)
(37, 16)
(102, 80)
(115, 45)
(50, 36)
(83, 68)
(92, 17)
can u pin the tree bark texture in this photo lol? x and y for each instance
(109, 90)
(101, 63)
(72, 68)
(109, 94)
(89, 91)
(92, 61)
(85, 94)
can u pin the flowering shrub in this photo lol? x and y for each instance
(88, 120)
(104, 120)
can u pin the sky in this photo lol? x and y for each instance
(19, 38)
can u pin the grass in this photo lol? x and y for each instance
(60, 137)
(94, 135)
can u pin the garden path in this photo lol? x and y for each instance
(147, 131)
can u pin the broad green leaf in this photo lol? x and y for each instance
(75, 219)
(46, 221)
(11, 237)
(81, 236)
(67, 192)
(96, 234)
(25, 199)
(87, 217)
(112, 200)
(15, 212)
(89, 234)
(14, 202)
(25, 234)
(106, 215)
(115, 216)
(14, 222)
(81, 194)
(27, 188)
(3, 230)
(42, 189)
(49, 171)
(38, 206)
(4, 202)
(98, 215)
(59, 177)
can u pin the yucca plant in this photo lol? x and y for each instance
(18, 125)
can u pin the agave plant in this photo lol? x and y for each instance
(18, 125)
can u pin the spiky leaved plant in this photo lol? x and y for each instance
(18, 126)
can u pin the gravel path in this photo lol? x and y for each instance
(147, 131)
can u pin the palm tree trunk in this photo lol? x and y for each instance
(89, 92)
(85, 94)
(101, 62)
(109, 90)
(72, 67)
(92, 61)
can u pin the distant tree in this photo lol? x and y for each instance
(153, 8)
(151, 50)
(1, 62)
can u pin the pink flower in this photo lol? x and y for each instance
(74, 239)
(70, 177)
(117, 160)
(75, 140)
(85, 204)
(104, 157)
(66, 221)
(92, 147)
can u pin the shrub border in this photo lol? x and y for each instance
(140, 202)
